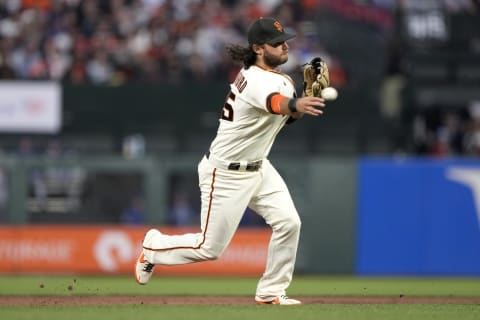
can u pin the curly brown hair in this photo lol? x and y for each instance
(243, 54)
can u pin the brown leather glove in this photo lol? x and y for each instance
(315, 77)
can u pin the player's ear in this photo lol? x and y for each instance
(257, 49)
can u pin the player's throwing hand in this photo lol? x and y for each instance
(310, 105)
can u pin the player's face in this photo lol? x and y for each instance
(275, 55)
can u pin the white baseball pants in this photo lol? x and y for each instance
(225, 194)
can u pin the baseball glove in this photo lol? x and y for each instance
(315, 77)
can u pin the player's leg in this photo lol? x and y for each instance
(224, 196)
(274, 203)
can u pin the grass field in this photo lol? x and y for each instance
(98, 286)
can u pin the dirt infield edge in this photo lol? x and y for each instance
(214, 300)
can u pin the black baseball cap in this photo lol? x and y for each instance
(267, 30)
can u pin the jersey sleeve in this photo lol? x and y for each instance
(262, 85)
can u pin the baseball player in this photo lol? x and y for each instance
(235, 173)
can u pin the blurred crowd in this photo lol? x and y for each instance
(441, 131)
(118, 41)
(112, 42)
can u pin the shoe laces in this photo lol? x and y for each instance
(148, 267)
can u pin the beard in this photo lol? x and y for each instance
(274, 61)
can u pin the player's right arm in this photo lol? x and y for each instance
(270, 91)
(280, 104)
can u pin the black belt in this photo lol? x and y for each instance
(251, 166)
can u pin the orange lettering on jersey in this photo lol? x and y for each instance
(240, 82)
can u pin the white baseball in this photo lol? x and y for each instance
(329, 93)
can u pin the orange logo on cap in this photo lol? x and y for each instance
(278, 26)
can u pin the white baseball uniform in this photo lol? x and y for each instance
(234, 174)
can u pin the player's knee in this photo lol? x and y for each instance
(290, 224)
(295, 224)
(212, 253)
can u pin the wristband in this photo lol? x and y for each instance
(292, 105)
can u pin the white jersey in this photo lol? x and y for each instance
(235, 174)
(248, 127)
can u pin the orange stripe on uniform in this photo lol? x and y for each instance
(273, 102)
(206, 223)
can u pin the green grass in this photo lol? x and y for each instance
(306, 286)
(240, 312)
